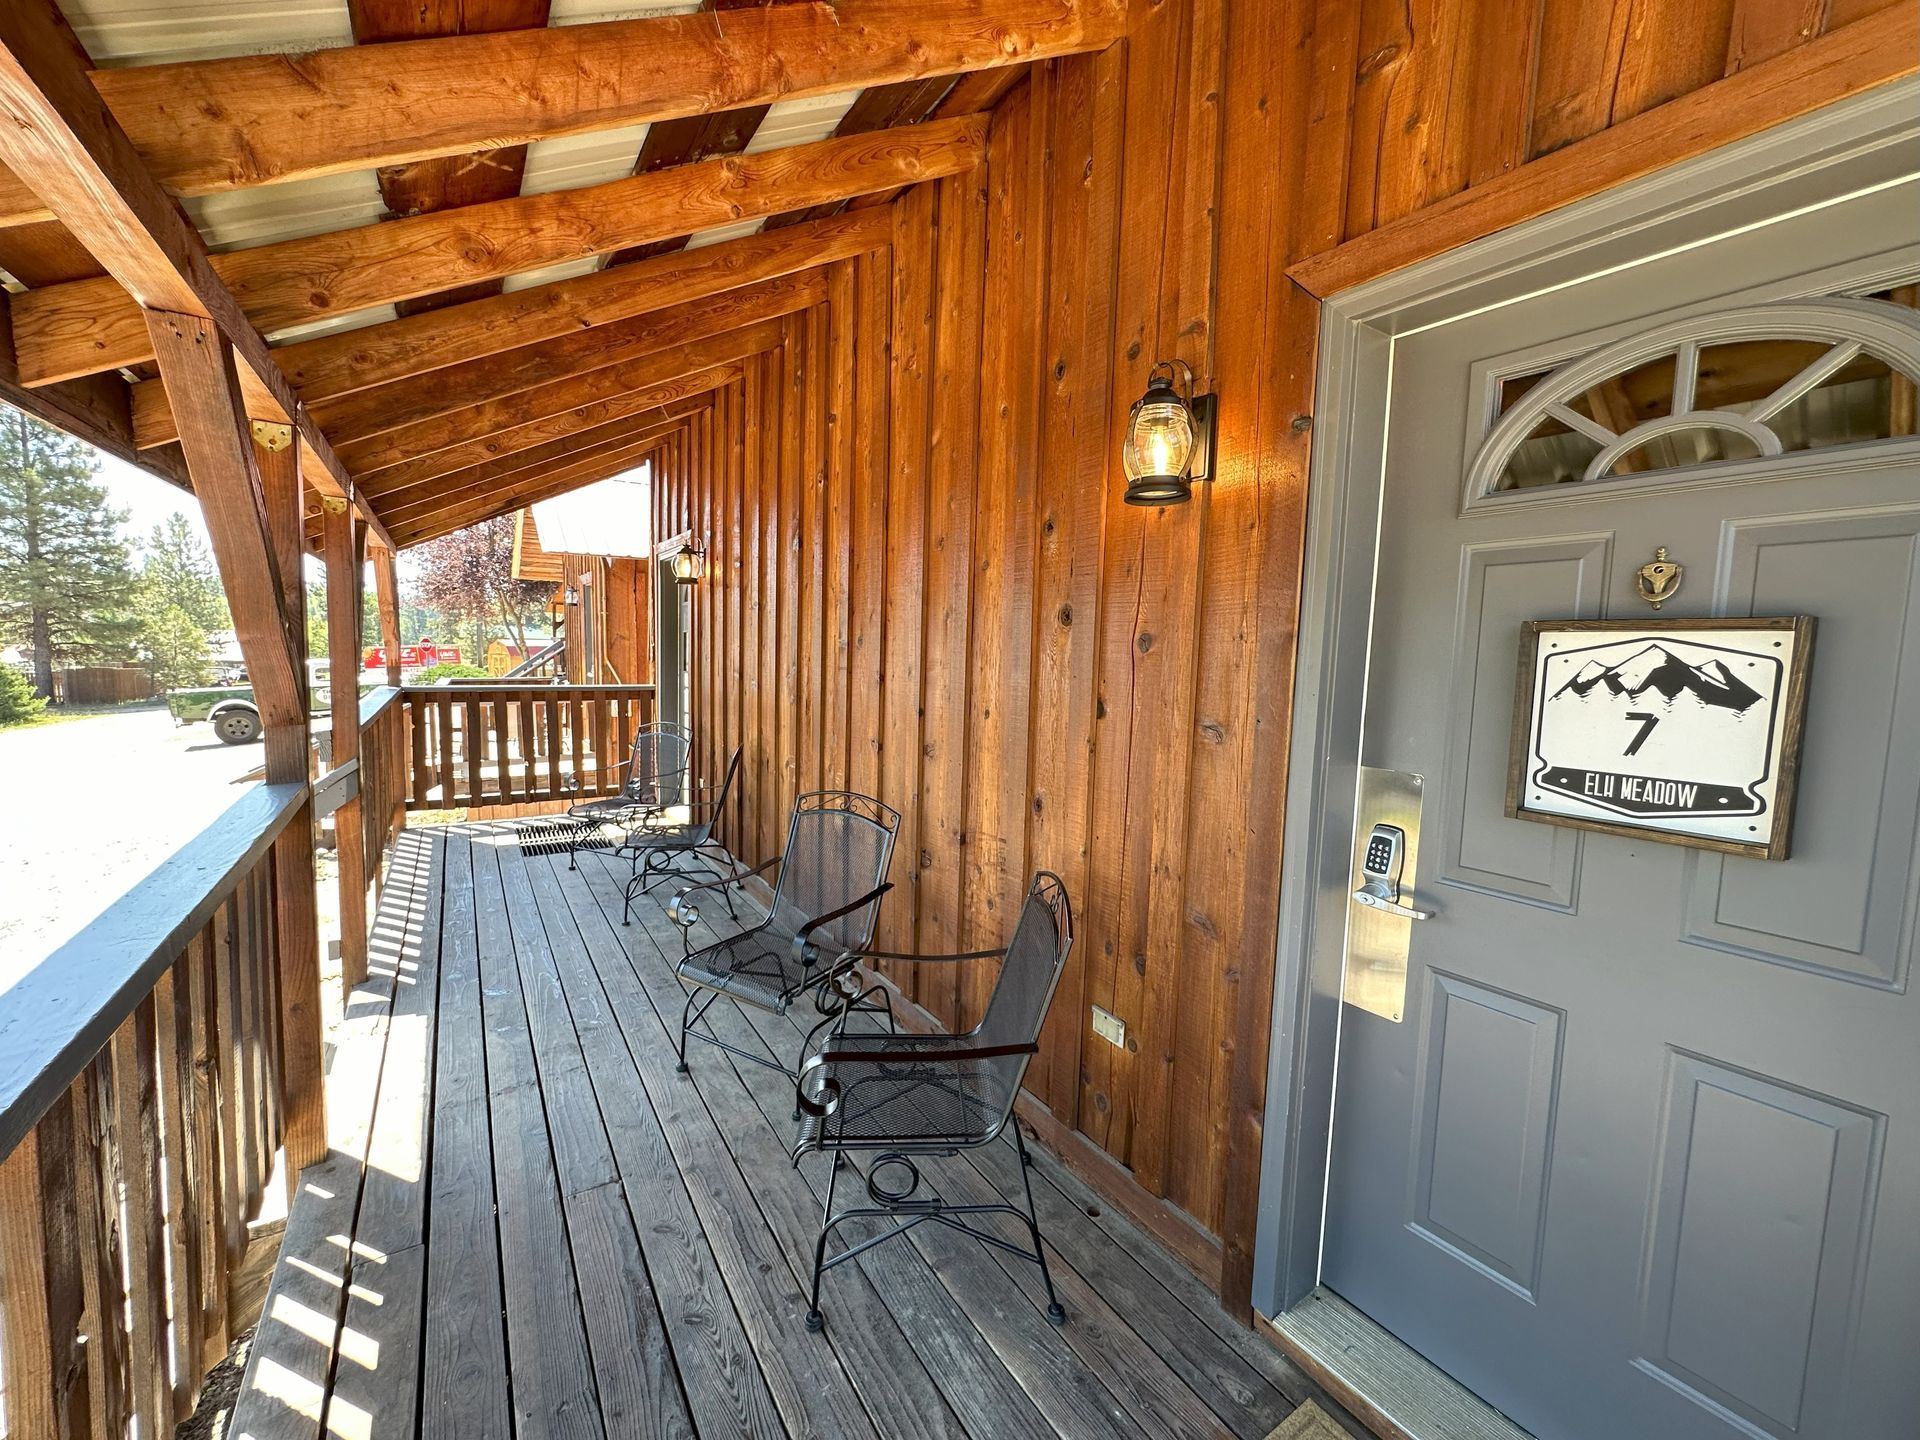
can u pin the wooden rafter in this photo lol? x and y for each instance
(61, 331)
(546, 428)
(442, 392)
(447, 181)
(519, 468)
(379, 354)
(59, 135)
(443, 513)
(884, 107)
(509, 325)
(212, 125)
(576, 392)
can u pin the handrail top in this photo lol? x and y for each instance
(64, 1011)
(376, 700)
(532, 687)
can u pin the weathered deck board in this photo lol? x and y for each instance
(555, 1234)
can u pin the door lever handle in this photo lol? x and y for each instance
(1393, 907)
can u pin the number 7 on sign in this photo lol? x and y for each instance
(1647, 722)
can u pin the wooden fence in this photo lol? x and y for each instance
(142, 1100)
(517, 744)
(102, 684)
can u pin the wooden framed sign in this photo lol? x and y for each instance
(1682, 731)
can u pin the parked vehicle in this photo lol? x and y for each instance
(231, 711)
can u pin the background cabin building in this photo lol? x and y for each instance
(1489, 305)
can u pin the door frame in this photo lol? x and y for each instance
(666, 596)
(1866, 142)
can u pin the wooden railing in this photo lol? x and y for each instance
(383, 769)
(514, 744)
(143, 1095)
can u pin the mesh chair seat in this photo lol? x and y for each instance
(883, 1104)
(826, 897)
(757, 967)
(608, 808)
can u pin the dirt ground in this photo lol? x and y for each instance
(88, 807)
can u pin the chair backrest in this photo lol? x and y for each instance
(1018, 1006)
(839, 845)
(703, 824)
(657, 766)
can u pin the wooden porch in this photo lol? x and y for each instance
(530, 1224)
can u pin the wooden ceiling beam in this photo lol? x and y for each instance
(556, 482)
(457, 387)
(505, 492)
(379, 354)
(56, 133)
(548, 427)
(210, 125)
(86, 326)
(366, 458)
(884, 107)
(525, 466)
(425, 187)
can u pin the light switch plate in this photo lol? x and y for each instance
(1109, 1027)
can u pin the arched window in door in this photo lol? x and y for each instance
(1741, 384)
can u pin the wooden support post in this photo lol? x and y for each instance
(345, 562)
(386, 592)
(290, 759)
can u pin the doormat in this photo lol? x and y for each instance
(557, 837)
(1309, 1422)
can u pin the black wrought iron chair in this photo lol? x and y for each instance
(676, 841)
(925, 1095)
(656, 775)
(826, 897)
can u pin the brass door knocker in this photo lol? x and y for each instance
(1658, 581)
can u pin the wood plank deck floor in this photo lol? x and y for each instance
(530, 1225)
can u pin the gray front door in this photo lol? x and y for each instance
(1643, 1157)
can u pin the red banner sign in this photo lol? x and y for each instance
(415, 657)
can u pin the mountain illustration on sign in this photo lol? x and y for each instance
(1658, 669)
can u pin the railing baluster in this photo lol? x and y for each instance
(417, 749)
(136, 1140)
(475, 741)
(553, 748)
(208, 1193)
(602, 770)
(172, 1042)
(97, 1215)
(502, 746)
(29, 1333)
(529, 751)
(235, 1094)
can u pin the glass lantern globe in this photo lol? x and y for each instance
(1158, 451)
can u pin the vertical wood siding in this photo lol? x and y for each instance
(924, 583)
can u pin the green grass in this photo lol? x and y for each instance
(60, 714)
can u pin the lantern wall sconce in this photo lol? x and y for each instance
(572, 597)
(688, 565)
(1170, 437)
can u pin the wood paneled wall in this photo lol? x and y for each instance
(924, 584)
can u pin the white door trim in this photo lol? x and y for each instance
(1863, 144)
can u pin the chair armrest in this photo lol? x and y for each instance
(804, 950)
(829, 1099)
(685, 914)
(999, 954)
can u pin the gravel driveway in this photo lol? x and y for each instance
(88, 807)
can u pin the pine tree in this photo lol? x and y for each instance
(66, 579)
(178, 571)
(175, 648)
